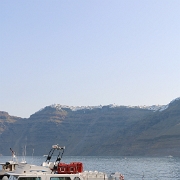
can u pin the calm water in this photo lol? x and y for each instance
(133, 168)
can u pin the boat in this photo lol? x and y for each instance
(8, 166)
(57, 170)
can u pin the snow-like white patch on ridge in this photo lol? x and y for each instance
(152, 108)
(158, 107)
(164, 107)
(76, 108)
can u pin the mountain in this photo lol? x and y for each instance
(98, 130)
(160, 133)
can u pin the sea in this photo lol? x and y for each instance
(133, 168)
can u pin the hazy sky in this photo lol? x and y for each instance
(88, 52)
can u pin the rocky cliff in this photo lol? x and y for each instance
(102, 130)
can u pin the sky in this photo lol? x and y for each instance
(80, 53)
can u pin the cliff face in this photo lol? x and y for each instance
(5, 120)
(98, 131)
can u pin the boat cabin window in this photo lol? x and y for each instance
(13, 178)
(76, 178)
(29, 178)
(60, 178)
